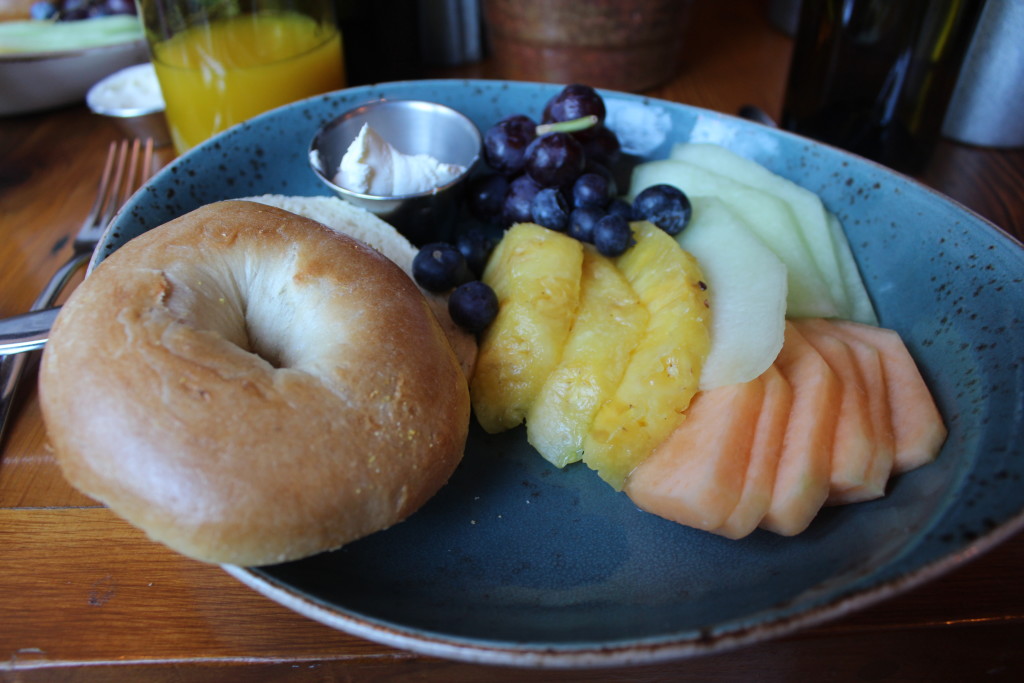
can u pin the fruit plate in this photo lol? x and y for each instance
(515, 562)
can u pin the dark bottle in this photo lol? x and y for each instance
(875, 76)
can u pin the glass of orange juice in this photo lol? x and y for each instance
(220, 62)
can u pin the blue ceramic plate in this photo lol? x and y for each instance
(515, 562)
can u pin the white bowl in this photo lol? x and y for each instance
(131, 98)
(32, 82)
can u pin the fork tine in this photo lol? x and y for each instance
(114, 199)
(129, 170)
(129, 181)
(147, 161)
(101, 190)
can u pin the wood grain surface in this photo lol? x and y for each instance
(86, 597)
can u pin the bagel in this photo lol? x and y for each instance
(364, 226)
(250, 387)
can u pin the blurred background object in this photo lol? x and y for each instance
(785, 15)
(875, 77)
(987, 103)
(11, 10)
(381, 40)
(451, 31)
(627, 45)
(399, 40)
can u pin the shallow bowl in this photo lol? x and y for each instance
(32, 82)
(137, 117)
(517, 563)
(411, 127)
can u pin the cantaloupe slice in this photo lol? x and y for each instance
(802, 478)
(869, 365)
(695, 477)
(918, 429)
(853, 446)
(764, 457)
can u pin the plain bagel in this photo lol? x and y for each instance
(364, 226)
(249, 387)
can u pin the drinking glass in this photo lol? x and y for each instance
(220, 62)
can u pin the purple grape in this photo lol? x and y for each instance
(550, 209)
(666, 206)
(573, 102)
(601, 145)
(475, 247)
(473, 306)
(612, 236)
(518, 207)
(439, 266)
(505, 143)
(486, 196)
(582, 222)
(618, 207)
(42, 10)
(591, 189)
(120, 6)
(554, 160)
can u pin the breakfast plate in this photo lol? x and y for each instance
(515, 562)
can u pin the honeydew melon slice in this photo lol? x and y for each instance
(861, 309)
(769, 218)
(808, 211)
(747, 293)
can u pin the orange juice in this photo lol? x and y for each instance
(217, 74)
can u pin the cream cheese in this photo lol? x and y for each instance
(372, 166)
(132, 89)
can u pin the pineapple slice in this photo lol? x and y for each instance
(663, 372)
(608, 326)
(535, 272)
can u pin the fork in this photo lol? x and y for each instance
(128, 165)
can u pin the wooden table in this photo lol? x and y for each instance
(85, 597)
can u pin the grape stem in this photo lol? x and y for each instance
(570, 126)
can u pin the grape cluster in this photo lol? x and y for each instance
(559, 174)
(535, 169)
(74, 10)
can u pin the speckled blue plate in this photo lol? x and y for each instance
(515, 562)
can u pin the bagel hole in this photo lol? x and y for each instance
(255, 305)
(272, 316)
(265, 351)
